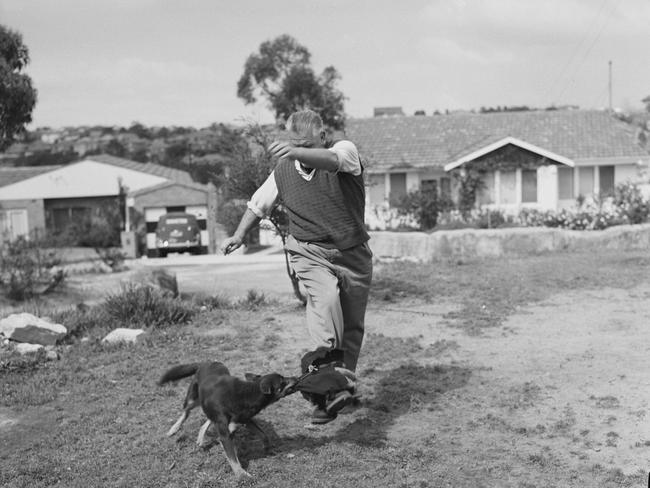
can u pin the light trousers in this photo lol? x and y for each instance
(337, 285)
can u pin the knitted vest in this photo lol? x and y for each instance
(327, 210)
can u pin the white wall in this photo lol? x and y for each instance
(625, 172)
(547, 187)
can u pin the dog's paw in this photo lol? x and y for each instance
(242, 473)
(205, 444)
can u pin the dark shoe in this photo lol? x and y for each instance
(322, 416)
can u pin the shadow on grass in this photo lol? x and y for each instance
(408, 388)
(405, 389)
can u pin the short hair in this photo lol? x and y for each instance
(304, 121)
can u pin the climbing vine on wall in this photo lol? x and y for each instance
(470, 181)
(509, 158)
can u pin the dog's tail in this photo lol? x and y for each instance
(178, 372)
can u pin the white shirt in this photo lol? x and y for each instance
(263, 199)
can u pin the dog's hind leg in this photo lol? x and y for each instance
(190, 403)
(200, 440)
(176, 427)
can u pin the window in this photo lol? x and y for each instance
(58, 219)
(606, 180)
(13, 223)
(429, 185)
(586, 181)
(528, 185)
(397, 186)
(565, 183)
(486, 194)
(508, 187)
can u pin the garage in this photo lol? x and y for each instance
(150, 204)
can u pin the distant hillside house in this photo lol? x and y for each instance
(540, 159)
(53, 197)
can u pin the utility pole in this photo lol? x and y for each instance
(610, 86)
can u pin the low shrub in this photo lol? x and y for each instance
(82, 320)
(28, 267)
(210, 302)
(144, 306)
(588, 216)
(253, 300)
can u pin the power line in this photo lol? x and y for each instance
(589, 49)
(570, 60)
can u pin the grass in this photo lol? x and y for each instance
(489, 290)
(96, 417)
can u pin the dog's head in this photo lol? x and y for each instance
(274, 384)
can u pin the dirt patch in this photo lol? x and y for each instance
(568, 375)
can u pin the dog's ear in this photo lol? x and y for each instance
(251, 377)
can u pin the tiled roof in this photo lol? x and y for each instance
(172, 174)
(433, 141)
(10, 175)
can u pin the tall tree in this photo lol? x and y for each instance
(281, 73)
(17, 95)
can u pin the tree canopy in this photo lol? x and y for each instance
(17, 95)
(281, 73)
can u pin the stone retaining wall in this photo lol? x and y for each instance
(468, 243)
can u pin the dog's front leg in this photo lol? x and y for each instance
(200, 440)
(231, 453)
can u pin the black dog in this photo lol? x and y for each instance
(226, 401)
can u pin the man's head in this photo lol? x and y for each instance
(307, 126)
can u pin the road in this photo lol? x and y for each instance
(232, 275)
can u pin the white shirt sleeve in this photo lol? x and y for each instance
(348, 157)
(264, 197)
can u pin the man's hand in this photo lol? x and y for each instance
(281, 149)
(231, 244)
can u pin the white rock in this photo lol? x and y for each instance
(25, 327)
(123, 335)
(52, 355)
(26, 348)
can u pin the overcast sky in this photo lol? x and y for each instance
(163, 62)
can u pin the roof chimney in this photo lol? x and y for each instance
(388, 111)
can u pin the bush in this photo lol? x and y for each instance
(81, 320)
(28, 268)
(145, 306)
(112, 257)
(628, 197)
(230, 214)
(422, 205)
(493, 219)
(253, 300)
(584, 217)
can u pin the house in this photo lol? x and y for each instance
(538, 159)
(51, 198)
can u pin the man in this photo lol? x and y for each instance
(322, 190)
